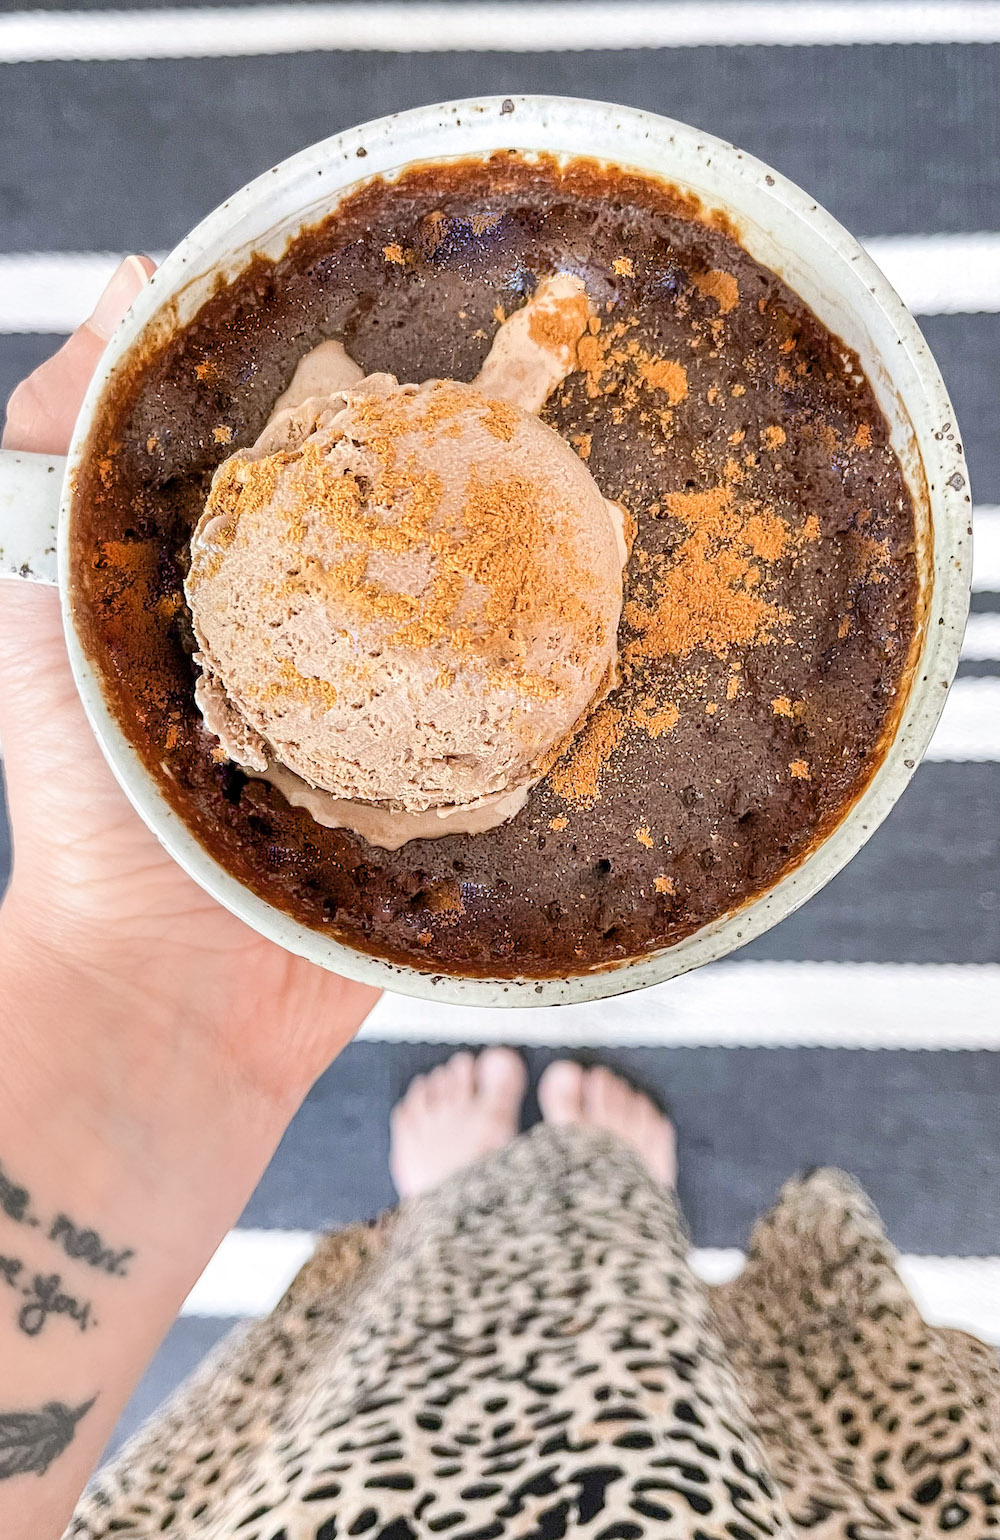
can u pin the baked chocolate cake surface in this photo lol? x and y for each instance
(771, 593)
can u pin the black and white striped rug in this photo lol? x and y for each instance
(863, 1031)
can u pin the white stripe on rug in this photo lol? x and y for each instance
(519, 27)
(986, 549)
(982, 639)
(52, 291)
(969, 728)
(941, 274)
(252, 1268)
(943, 1006)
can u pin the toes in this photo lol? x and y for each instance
(461, 1068)
(624, 1104)
(414, 1101)
(438, 1087)
(599, 1097)
(501, 1079)
(561, 1093)
(668, 1171)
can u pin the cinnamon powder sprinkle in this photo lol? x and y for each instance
(614, 363)
(501, 420)
(445, 898)
(577, 777)
(872, 557)
(240, 487)
(486, 220)
(767, 535)
(168, 606)
(719, 286)
(655, 720)
(663, 374)
(707, 594)
(559, 326)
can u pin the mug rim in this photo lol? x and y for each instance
(366, 148)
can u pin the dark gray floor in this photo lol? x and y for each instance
(919, 1130)
(112, 154)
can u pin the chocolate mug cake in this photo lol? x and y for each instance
(700, 719)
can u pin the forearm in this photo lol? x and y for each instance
(112, 1198)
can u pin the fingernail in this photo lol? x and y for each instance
(117, 297)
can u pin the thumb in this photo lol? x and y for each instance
(43, 409)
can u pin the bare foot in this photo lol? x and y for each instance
(596, 1098)
(461, 1111)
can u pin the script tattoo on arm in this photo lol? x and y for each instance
(30, 1441)
(44, 1295)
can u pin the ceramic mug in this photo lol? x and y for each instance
(782, 228)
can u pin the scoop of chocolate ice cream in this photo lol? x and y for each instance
(407, 597)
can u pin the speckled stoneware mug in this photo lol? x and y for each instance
(783, 229)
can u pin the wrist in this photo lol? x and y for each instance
(137, 1079)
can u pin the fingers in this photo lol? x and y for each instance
(43, 409)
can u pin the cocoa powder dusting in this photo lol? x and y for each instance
(656, 719)
(663, 374)
(706, 596)
(719, 286)
(559, 325)
(577, 776)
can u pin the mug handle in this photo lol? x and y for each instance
(30, 494)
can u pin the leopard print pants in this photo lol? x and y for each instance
(525, 1352)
